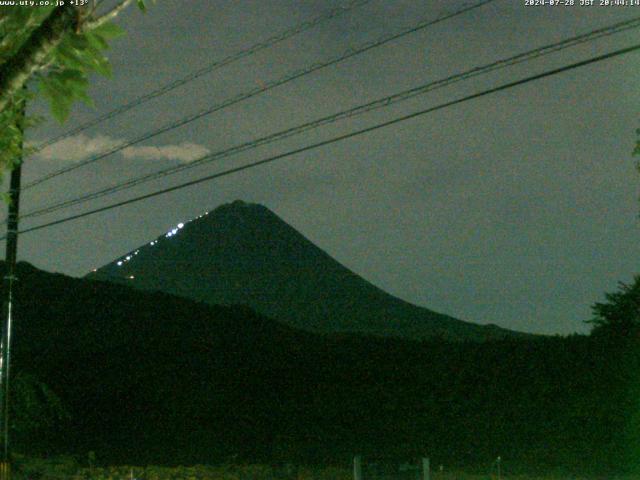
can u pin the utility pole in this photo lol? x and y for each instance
(9, 280)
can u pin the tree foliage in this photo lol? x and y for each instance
(251, 389)
(36, 410)
(620, 313)
(56, 48)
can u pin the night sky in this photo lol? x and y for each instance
(519, 209)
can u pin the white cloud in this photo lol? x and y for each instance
(80, 147)
(184, 152)
(76, 148)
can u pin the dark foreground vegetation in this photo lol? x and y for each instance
(148, 378)
(69, 469)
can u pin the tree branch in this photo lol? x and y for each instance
(15, 72)
(106, 17)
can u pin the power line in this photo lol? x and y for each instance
(352, 52)
(358, 110)
(337, 138)
(269, 42)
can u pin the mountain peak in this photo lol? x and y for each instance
(241, 208)
(238, 205)
(243, 253)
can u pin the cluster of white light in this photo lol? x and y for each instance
(127, 258)
(174, 231)
(170, 233)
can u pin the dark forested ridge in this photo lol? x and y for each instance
(155, 378)
(243, 253)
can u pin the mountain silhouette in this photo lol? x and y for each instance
(154, 378)
(242, 253)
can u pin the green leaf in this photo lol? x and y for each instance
(85, 98)
(59, 103)
(108, 31)
(69, 57)
(78, 41)
(60, 109)
(142, 6)
(101, 65)
(73, 79)
(97, 42)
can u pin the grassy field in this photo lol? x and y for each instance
(34, 469)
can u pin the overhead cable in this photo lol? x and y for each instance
(336, 139)
(211, 67)
(350, 53)
(349, 113)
